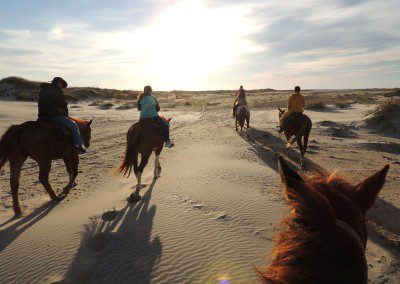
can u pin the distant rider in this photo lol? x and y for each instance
(149, 108)
(240, 100)
(296, 103)
(54, 106)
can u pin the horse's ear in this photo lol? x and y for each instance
(368, 190)
(304, 199)
(281, 110)
(289, 177)
(89, 122)
(169, 119)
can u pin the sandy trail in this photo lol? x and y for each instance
(211, 214)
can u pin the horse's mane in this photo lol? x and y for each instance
(78, 120)
(299, 244)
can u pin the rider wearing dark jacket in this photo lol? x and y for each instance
(52, 101)
(53, 105)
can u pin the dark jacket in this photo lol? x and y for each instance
(52, 101)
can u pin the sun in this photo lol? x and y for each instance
(57, 31)
(186, 44)
(195, 42)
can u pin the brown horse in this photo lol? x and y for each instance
(300, 126)
(241, 116)
(143, 138)
(323, 238)
(43, 142)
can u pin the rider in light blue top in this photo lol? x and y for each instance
(149, 108)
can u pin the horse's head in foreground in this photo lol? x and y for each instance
(323, 238)
(85, 130)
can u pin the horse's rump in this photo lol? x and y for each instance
(142, 137)
(295, 121)
(242, 111)
(6, 142)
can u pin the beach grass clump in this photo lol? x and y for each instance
(342, 104)
(394, 93)
(105, 105)
(126, 105)
(317, 106)
(386, 114)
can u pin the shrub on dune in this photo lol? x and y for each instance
(386, 114)
(316, 106)
(21, 82)
(343, 105)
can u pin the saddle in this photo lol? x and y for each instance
(62, 132)
(146, 122)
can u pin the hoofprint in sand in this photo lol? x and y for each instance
(211, 214)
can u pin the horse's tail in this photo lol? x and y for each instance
(304, 127)
(130, 159)
(6, 143)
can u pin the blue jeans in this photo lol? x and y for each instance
(65, 121)
(164, 125)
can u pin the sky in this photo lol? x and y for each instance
(203, 44)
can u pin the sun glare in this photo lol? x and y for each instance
(57, 31)
(187, 43)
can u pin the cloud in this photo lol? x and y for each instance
(204, 44)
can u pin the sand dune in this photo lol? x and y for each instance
(211, 215)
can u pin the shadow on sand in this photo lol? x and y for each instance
(384, 224)
(269, 147)
(118, 248)
(21, 224)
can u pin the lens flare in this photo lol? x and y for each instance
(223, 279)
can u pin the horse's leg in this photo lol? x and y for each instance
(158, 152)
(15, 173)
(306, 135)
(248, 121)
(236, 124)
(135, 197)
(74, 167)
(71, 164)
(67, 164)
(301, 150)
(44, 170)
(157, 167)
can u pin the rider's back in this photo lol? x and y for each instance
(296, 102)
(51, 101)
(148, 107)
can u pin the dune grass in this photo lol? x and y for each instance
(386, 114)
(318, 106)
(343, 104)
(21, 82)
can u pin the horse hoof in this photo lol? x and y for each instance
(17, 212)
(133, 198)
